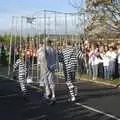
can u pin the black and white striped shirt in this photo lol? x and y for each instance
(71, 56)
(22, 70)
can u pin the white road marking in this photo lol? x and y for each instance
(98, 111)
(38, 118)
(10, 95)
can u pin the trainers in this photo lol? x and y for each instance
(73, 99)
(53, 101)
(47, 96)
(75, 91)
(25, 93)
(25, 96)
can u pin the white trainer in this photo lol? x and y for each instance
(73, 98)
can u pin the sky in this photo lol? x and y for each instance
(9, 8)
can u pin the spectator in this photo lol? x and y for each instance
(3, 55)
(0, 53)
(106, 64)
(100, 65)
(93, 56)
(118, 59)
(112, 59)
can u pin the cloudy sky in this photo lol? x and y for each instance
(9, 8)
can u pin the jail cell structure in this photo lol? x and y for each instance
(28, 31)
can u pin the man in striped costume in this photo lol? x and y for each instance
(70, 57)
(20, 65)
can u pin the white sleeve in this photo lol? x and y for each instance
(16, 64)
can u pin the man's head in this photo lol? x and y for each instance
(69, 42)
(41, 43)
(118, 46)
(111, 48)
(49, 42)
(22, 56)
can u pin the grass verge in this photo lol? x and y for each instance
(115, 82)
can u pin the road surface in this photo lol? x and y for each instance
(94, 102)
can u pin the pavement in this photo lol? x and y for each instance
(94, 102)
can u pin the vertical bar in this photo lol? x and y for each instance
(66, 27)
(57, 62)
(10, 47)
(37, 47)
(25, 50)
(86, 65)
(36, 44)
(32, 47)
(21, 32)
(15, 39)
(45, 26)
(77, 23)
(40, 34)
(49, 27)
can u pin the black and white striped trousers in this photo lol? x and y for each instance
(22, 81)
(70, 78)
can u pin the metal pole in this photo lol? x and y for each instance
(84, 27)
(21, 32)
(36, 46)
(10, 47)
(45, 26)
(15, 44)
(57, 62)
(48, 27)
(66, 27)
(25, 49)
(33, 48)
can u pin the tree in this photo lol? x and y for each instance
(101, 15)
(1, 39)
(106, 13)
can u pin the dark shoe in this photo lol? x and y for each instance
(53, 101)
(26, 96)
(47, 97)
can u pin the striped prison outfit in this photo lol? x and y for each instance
(22, 70)
(70, 60)
(46, 77)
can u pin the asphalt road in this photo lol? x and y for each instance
(94, 102)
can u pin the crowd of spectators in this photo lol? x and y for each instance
(101, 60)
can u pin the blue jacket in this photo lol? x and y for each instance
(51, 56)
